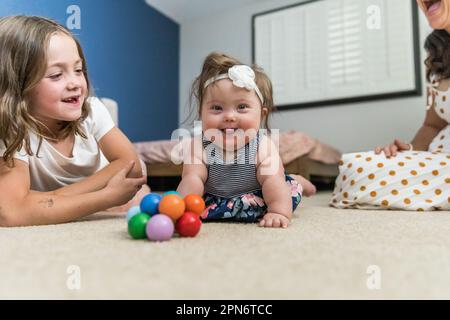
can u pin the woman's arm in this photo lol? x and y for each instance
(19, 206)
(432, 125)
(119, 151)
(276, 193)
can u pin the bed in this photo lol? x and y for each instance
(300, 153)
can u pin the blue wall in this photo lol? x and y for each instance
(132, 53)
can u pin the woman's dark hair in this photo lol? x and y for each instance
(437, 63)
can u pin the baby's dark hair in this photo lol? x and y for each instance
(218, 63)
(437, 62)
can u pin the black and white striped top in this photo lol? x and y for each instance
(234, 178)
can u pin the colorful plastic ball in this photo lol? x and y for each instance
(171, 192)
(160, 228)
(188, 225)
(149, 204)
(194, 203)
(172, 205)
(132, 212)
(137, 224)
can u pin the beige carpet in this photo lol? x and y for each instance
(324, 254)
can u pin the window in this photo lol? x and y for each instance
(324, 52)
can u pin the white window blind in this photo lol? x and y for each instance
(325, 51)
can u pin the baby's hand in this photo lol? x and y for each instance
(274, 220)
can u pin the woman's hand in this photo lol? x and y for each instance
(121, 189)
(393, 148)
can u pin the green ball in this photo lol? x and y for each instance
(137, 224)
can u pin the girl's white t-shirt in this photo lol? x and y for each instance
(50, 170)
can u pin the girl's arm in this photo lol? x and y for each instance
(19, 206)
(276, 193)
(194, 170)
(119, 151)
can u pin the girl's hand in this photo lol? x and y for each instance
(274, 220)
(121, 189)
(391, 149)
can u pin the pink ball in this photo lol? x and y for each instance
(160, 228)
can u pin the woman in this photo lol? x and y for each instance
(416, 175)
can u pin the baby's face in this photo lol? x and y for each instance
(437, 13)
(231, 116)
(60, 94)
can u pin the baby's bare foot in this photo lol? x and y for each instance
(308, 188)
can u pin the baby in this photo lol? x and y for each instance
(235, 164)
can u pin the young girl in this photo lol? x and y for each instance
(235, 166)
(62, 157)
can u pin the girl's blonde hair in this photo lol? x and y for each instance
(23, 62)
(218, 63)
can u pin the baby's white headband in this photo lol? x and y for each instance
(242, 76)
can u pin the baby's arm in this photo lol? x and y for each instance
(193, 180)
(276, 193)
(194, 170)
(119, 151)
(19, 206)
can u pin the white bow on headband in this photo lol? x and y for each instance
(242, 76)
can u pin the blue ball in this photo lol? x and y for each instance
(149, 204)
(132, 212)
(172, 192)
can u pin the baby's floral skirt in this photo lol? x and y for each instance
(248, 207)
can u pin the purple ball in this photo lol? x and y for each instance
(160, 228)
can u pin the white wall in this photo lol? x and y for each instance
(352, 127)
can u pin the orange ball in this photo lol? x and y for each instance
(172, 206)
(194, 203)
